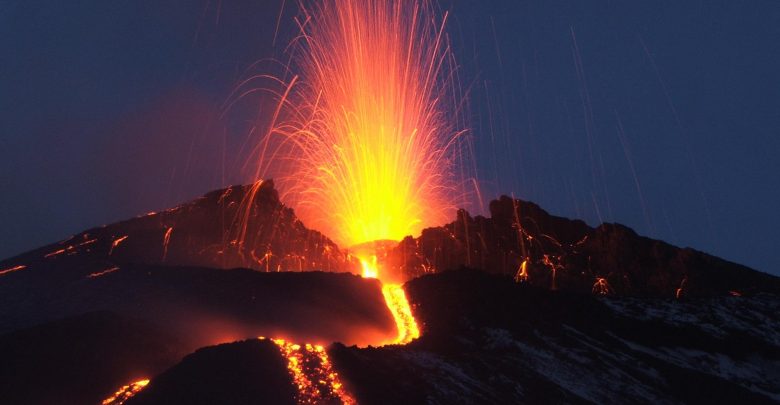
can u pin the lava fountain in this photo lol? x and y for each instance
(365, 142)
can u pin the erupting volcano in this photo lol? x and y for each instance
(364, 142)
(351, 249)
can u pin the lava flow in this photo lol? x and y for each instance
(312, 374)
(395, 297)
(12, 269)
(125, 393)
(396, 301)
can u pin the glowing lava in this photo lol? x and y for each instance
(395, 298)
(166, 241)
(369, 267)
(365, 140)
(103, 272)
(601, 287)
(312, 374)
(125, 393)
(12, 269)
(116, 243)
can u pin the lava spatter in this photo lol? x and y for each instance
(367, 139)
(125, 393)
(12, 269)
(313, 374)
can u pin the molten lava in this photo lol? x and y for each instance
(369, 267)
(601, 287)
(365, 140)
(395, 297)
(125, 393)
(312, 374)
(103, 272)
(166, 241)
(396, 301)
(71, 249)
(12, 269)
(116, 243)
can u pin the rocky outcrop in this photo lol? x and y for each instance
(565, 254)
(240, 226)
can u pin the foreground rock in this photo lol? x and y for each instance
(488, 340)
(80, 360)
(244, 373)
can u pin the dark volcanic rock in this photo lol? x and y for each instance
(242, 373)
(247, 226)
(82, 360)
(155, 267)
(489, 340)
(569, 255)
(209, 305)
(240, 226)
(673, 325)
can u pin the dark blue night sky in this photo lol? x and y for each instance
(661, 115)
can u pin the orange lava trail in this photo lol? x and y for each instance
(54, 253)
(313, 374)
(13, 269)
(125, 393)
(166, 241)
(70, 249)
(395, 297)
(116, 243)
(103, 273)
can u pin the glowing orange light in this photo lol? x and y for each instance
(396, 301)
(395, 297)
(312, 373)
(601, 287)
(365, 140)
(13, 269)
(116, 243)
(103, 273)
(522, 273)
(166, 241)
(125, 393)
(70, 249)
(369, 266)
(54, 253)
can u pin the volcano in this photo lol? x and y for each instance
(231, 299)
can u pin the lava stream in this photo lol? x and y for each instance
(103, 272)
(13, 269)
(125, 393)
(312, 374)
(395, 297)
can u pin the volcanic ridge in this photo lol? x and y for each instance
(231, 299)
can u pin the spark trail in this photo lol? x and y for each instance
(366, 139)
